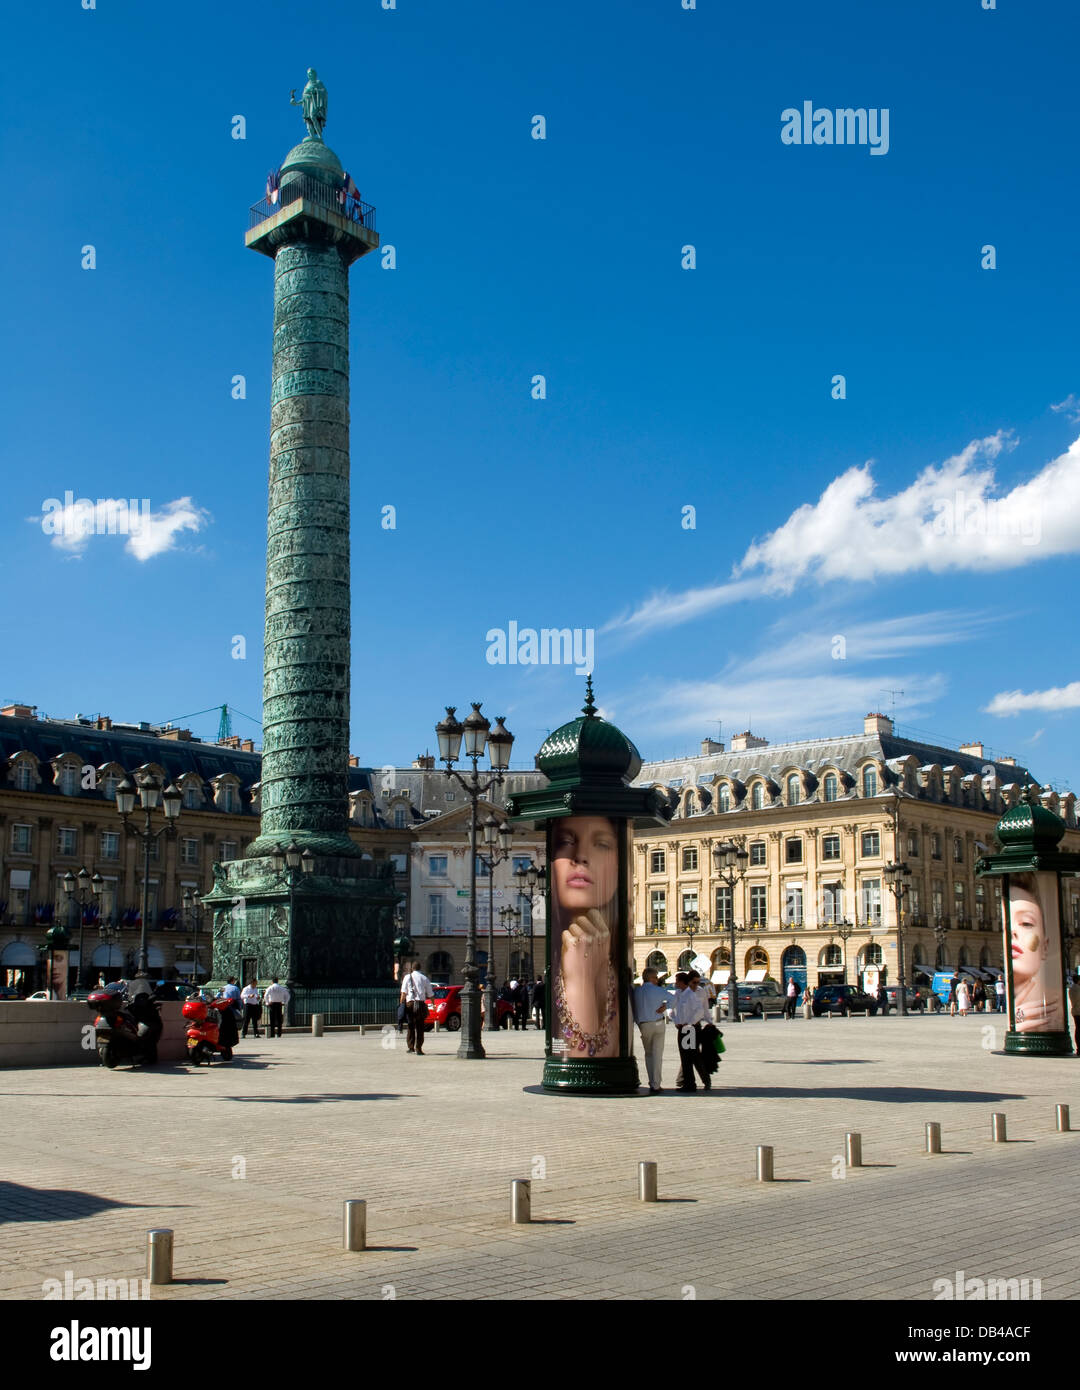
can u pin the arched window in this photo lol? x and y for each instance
(831, 786)
(758, 959)
(917, 956)
(872, 955)
(68, 779)
(962, 956)
(723, 797)
(399, 817)
(794, 789)
(691, 804)
(657, 961)
(757, 797)
(869, 781)
(832, 956)
(686, 960)
(721, 958)
(24, 775)
(109, 785)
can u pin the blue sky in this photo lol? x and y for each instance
(815, 518)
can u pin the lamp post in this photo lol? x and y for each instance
(896, 879)
(150, 797)
(536, 880)
(498, 839)
(477, 734)
(690, 922)
(88, 889)
(941, 938)
(108, 931)
(193, 909)
(402, 941)
(844, 929)
(730, 863)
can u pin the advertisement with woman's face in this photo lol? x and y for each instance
(584, 934)
(1035, 948)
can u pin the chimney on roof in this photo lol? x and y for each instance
(177, 735)
(741, 742)
(19, 711)
(877, 723)
(354, 760)
(232, 741)
(247, 746)
(1010, 762)
(711, 745)
(103, 722)
(975, 749)
(425, 761)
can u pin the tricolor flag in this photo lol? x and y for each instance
(273, 186)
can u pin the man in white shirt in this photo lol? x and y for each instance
(416, 990)
(249, 997)
(650, 1005)
(689, 1014)
(275, 998)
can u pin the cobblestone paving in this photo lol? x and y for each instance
(92, 1159)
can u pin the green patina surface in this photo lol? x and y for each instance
(340, 926)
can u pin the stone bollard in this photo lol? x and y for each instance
(997, 1127)
(355, 1225)
(647, 1182)
(1063, 1119)
(853, 1145)
(520, 1202)
(316, 1025)
(765, 1163)
(933, 1137)
(159, 1255)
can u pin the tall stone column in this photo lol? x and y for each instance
(331, 922)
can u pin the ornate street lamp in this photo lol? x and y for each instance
(477, 733)
(729, 862)
(896, 880)
(150, 797)
(88, 888)
(402, 941)
(498, 842)
(690, 922)
(844, 929)
(193, 910)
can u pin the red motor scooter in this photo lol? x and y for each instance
(205, 1027)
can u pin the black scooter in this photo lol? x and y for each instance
(127, 1027)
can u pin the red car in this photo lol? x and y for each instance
(445, 1008)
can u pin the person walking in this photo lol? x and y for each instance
(651, 1004)
(952, 995)
(978, 997)
(963, 998)
(252, 1002)
(790, 995)
(999, 993)
(807, 1001)
(538, 1002)
(689, 1015)
(416, 990)
(275, 997)
(1074, 1005)
(521, 1005)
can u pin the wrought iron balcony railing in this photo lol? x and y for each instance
(315, 191)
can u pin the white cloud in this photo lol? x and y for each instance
(1017, 701)
(1071, 406)
(951, 518)
(72, 524)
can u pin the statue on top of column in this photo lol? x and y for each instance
(313, 101)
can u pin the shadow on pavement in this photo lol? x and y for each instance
(19, 1203)
(821, 1062)
(888, 1095)
(323, 1099)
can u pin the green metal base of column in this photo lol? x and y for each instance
(319, 842)
(596, 1076)
(1038, 1044)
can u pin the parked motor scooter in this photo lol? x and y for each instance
(211, 1029)
(127, 1026)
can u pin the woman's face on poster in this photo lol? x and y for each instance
(1028, 933)
(585, 855)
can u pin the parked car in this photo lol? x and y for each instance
(445, 1008)
(39, 994)
(913, 999)
(755, 1000)
(842, 999)
(9, 994)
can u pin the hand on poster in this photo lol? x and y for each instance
(586, 968)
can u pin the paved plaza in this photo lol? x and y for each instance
(93, 1158)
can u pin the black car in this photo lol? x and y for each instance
(842, 999)
(915, 1002)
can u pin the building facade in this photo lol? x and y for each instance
(58, 780)
(819, 821)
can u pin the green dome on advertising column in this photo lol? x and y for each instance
(589, 764)
(1029, 834)
(58, 938)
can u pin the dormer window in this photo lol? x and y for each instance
(869, 779)
(109, 784)
(24, 775)
(794, 789)
(192, 794)
(757, 797)
(67, 778)
(831, 786)
(399, 817)
(723, 797)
